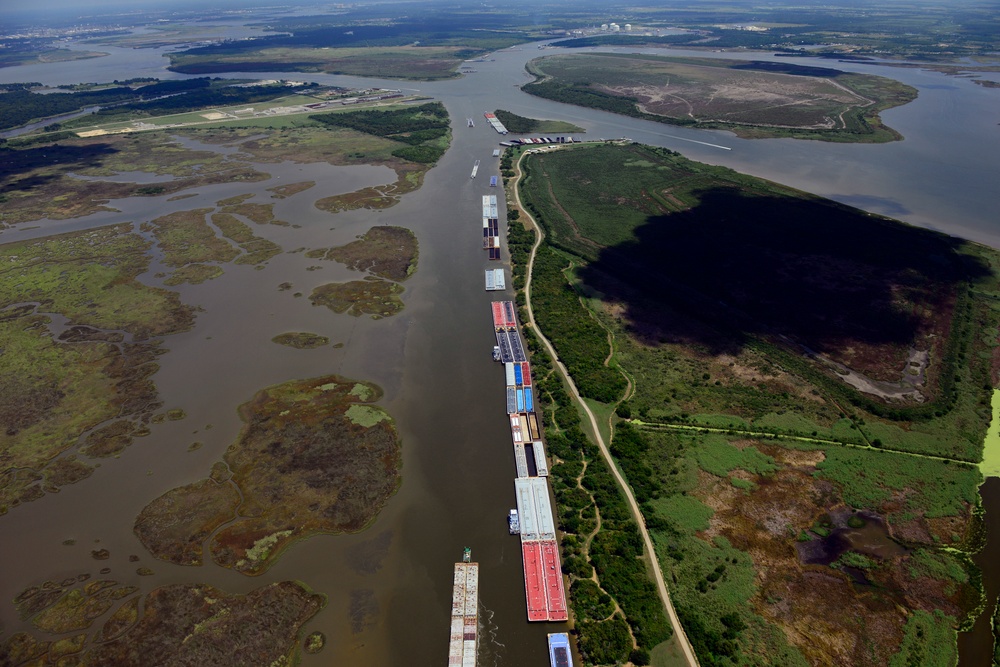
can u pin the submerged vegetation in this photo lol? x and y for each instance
(727, 350)
(82, 323)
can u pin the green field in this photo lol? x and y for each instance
(522, 125)
(746, 454)
(397, 62)
(751, 98)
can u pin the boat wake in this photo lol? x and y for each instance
(491, 650)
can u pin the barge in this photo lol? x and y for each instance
(538, 454)
(521, 461)
(464, 644)
(495, 123)
(495, 280)
(543, 581)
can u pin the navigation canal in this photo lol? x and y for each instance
(389, 587)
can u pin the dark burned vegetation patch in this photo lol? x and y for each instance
(753, 260)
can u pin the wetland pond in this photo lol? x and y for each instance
(842, 532)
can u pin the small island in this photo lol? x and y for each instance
(315, 456)
(754, 99)
(301, 340)
(523, 125)
(389, 254)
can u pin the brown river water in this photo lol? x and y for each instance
(389, 587)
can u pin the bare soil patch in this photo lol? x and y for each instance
(770, 521)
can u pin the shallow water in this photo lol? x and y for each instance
(976, 646)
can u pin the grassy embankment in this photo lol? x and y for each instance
(749, 456)
(523, 125)
(753, 99)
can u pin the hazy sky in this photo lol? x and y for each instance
(85, 7)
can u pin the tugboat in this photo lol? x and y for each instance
(513, 522)
(467, 555)
(496, 353)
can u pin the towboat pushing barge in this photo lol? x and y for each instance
(544, 589)
(464, 644)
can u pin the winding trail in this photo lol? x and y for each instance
(661, 585)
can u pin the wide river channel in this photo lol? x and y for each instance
(389, 587)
